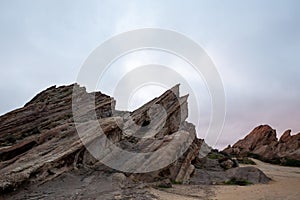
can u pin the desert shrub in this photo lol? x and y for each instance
(291, 162)
(165, 183)
(176, 182)
(246, 161)
(277, 161)
(215, 156)
(163, 186)
(241, 182)
(255, 156)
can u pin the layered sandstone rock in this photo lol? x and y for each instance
(40, 141)
(44, 140)
(262, 143)
(66, 131)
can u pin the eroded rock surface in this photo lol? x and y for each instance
(40, 141)
(263, 144)
(52, 137)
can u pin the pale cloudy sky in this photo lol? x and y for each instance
(255, 46)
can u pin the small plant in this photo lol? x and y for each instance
(291, 162)
(163, 186)
(246, 161)
(241, 182)
(215, 156)
(176, 182)
(255, 156)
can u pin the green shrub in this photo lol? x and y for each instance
(246, 161)
(277, 161)
(215, 156)
(241, 182)
(291, 162)
(163, 186)
(255, 156)
(176, 182)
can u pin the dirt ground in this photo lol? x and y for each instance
(93, 185)
(186, 192)
(285, 184)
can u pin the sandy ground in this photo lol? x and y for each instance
(184, 192)
(285, 184)
(84, 184)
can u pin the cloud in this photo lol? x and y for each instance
(255, 46)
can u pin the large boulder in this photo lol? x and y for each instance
(250, 174)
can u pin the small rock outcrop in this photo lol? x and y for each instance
(263, 144)
(220, 168)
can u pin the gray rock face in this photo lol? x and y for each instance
(251, 174)
(40, 142)
(227, 164)
(220, 168)
(167, 131)
(120, 179)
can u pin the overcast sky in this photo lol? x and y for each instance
(255, 46)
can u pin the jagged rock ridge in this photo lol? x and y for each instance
(40, 142)
(263, 144)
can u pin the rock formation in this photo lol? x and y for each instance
(218, 168)
(39, 141)
(263, 144)
(50, 138)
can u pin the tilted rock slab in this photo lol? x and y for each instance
(263, 144)
(39, 141)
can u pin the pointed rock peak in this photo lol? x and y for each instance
(287, 132)
(168, 96)
(175, 89)
(262, 131)
(184, 101)
(263, 127)
(184, 98)
(285, 136)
